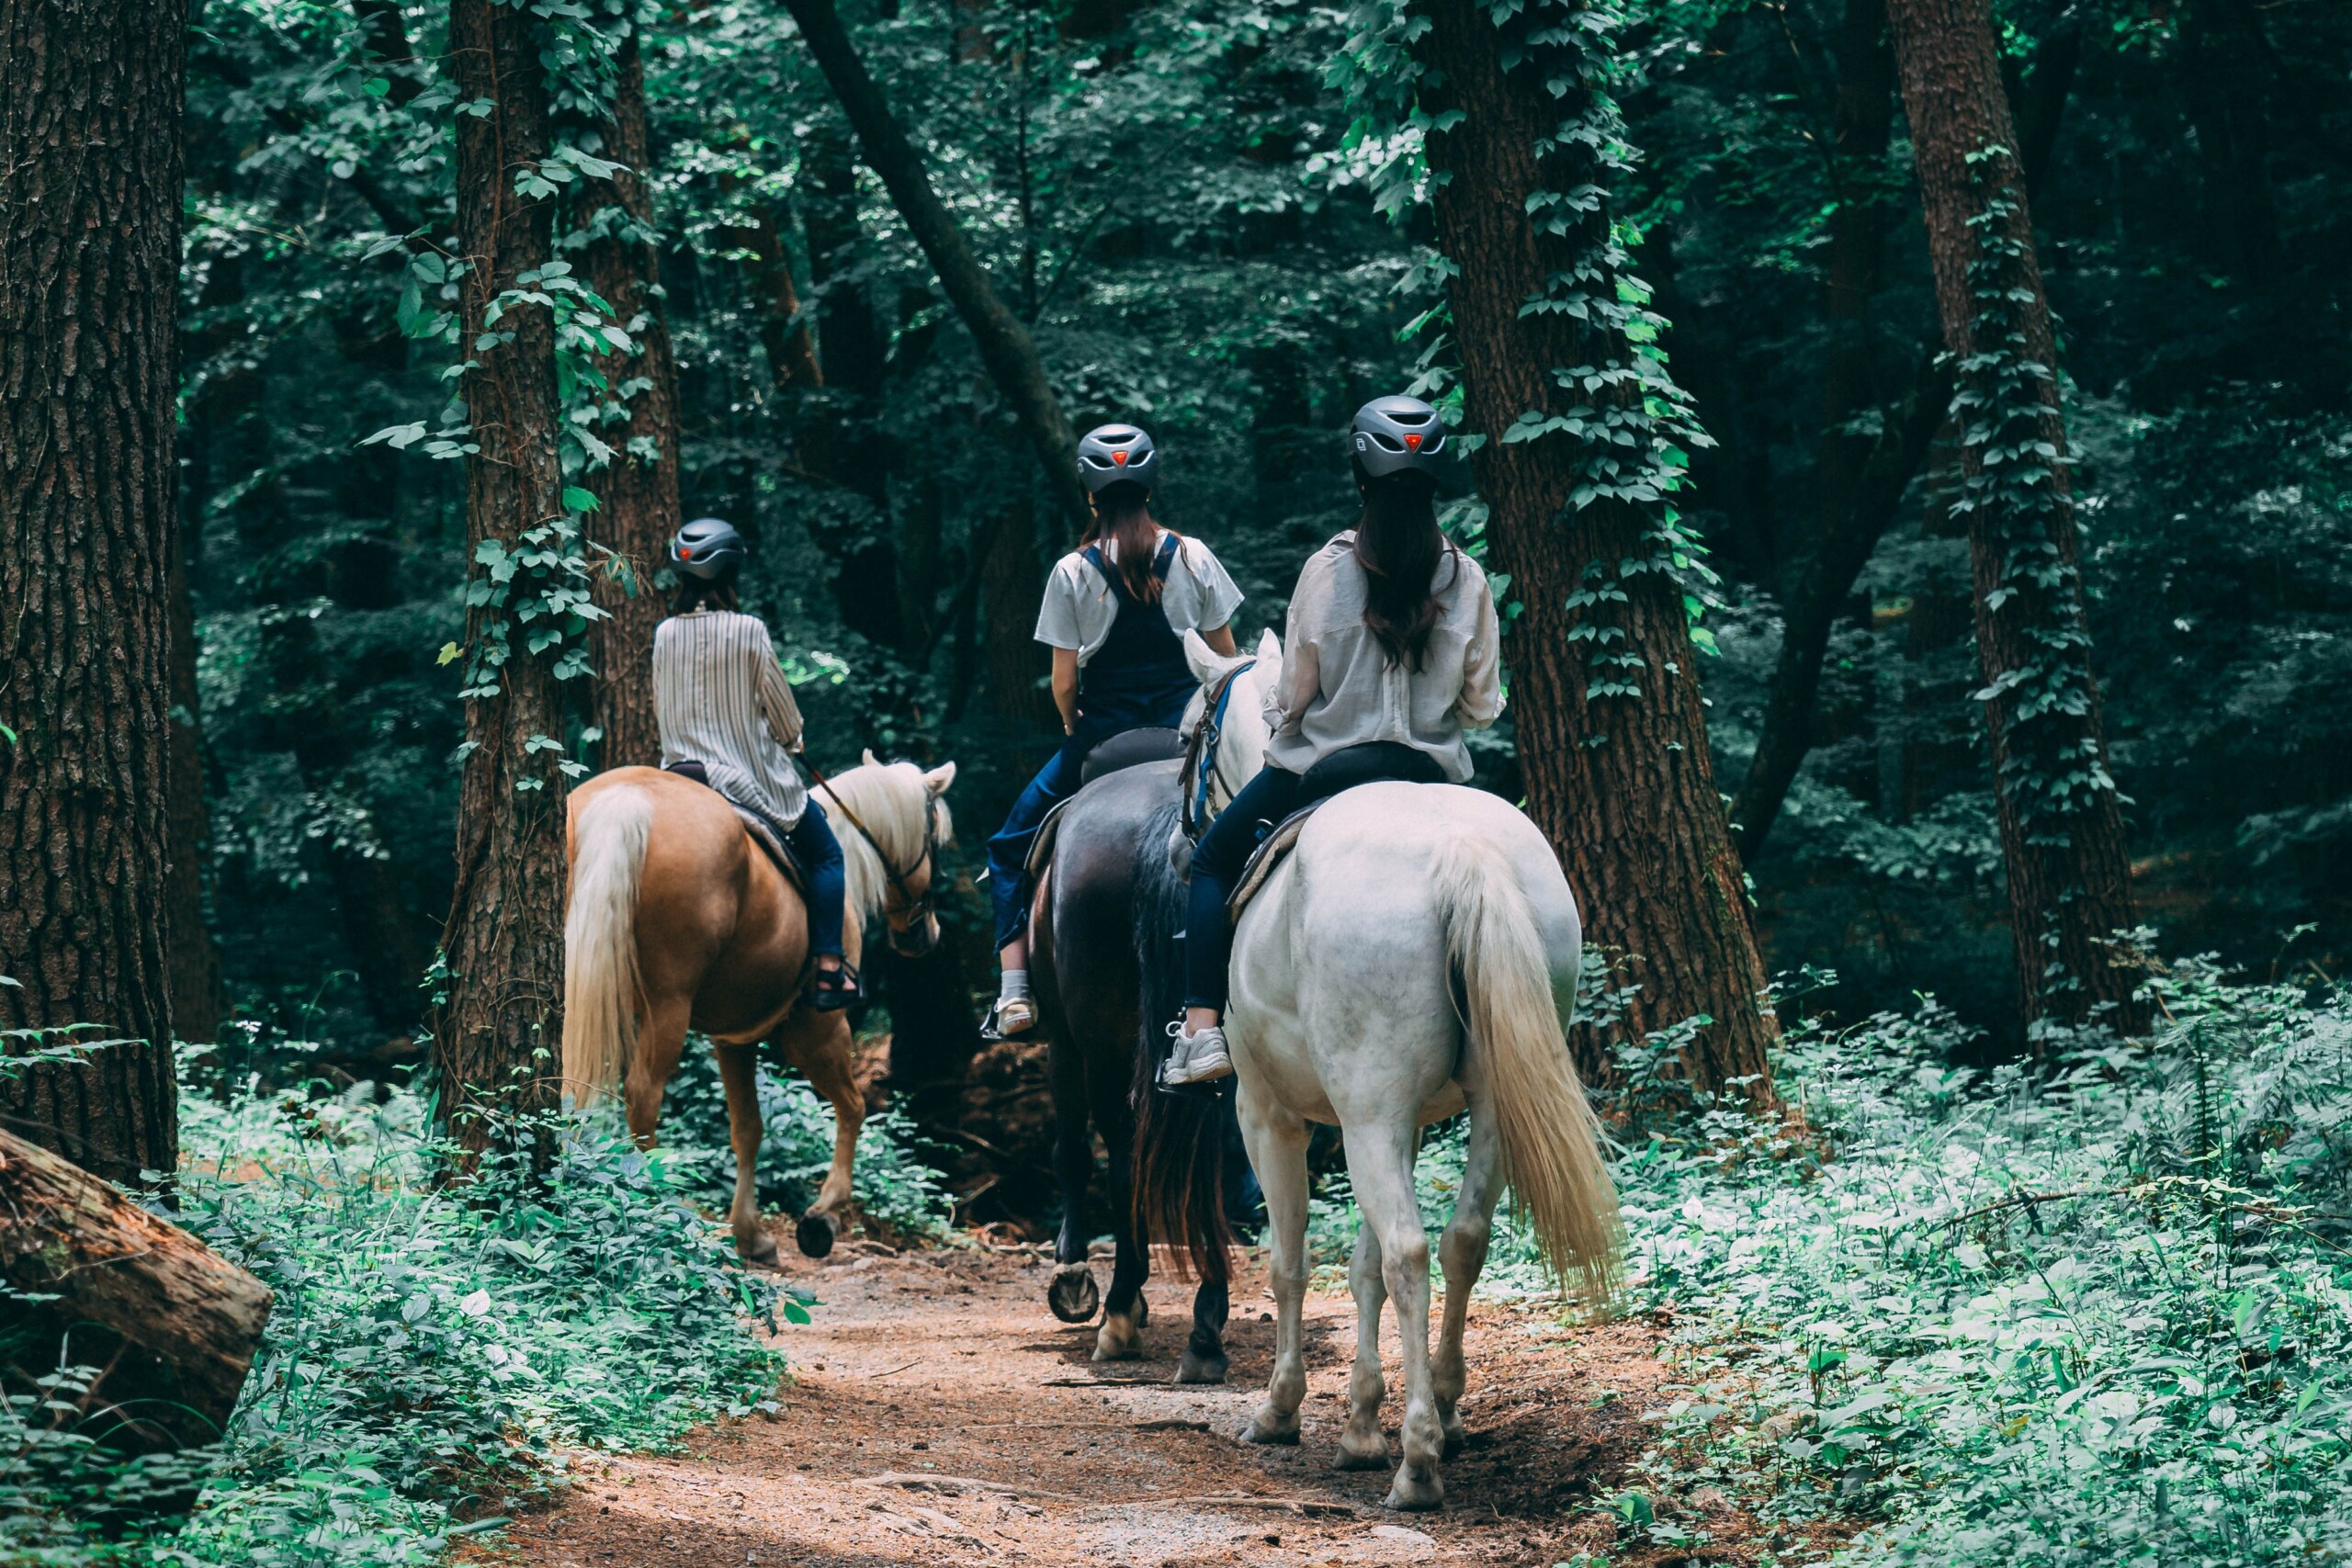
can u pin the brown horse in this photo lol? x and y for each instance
(677, 920)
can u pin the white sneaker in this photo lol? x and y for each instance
(1197, 1058)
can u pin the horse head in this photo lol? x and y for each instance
(897, 816)
(1232, 700)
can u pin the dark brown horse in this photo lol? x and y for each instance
(1109, 899)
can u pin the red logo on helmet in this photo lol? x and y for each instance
(1120, 458)
(686, 552)
(1412, 443)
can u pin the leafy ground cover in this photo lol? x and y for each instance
(436, 1347)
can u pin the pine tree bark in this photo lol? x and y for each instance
(1621, 784)
(2062, 820)
(89, 289)
(638, 495)
(497, 1026)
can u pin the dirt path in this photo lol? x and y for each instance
(946, 1364)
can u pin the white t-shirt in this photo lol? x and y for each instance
(1079, 607)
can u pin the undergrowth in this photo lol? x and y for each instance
(436, 1346)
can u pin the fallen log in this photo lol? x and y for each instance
(169, 1324)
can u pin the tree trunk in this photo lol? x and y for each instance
(173, 1325)
(1604, 685)
(1012, 589)
(2062, 821)
(1860, 480)
(638, 509)
(89, 291)
(497, 1026)
(195, 958)
(1004, 345)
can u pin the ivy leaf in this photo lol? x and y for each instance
(578, 499)
(450, 653)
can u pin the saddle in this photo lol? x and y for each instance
(1376, 762)
(1128, 749)
(765, 833)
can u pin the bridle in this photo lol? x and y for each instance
(919, 907)
(1200, 753)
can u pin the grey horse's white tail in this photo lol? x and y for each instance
(601, 985)
(1551, 1142)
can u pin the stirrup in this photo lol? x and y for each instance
(832, 989)
(995, 1030)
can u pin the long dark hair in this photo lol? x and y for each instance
(1122, 520)
(1398, 545)
(695, 593)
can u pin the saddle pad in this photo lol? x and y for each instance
(1041, 848)
(764, 836)
(1267, 856)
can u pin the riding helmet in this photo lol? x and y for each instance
(708, 547)
(1394, 436)
(1116, 454)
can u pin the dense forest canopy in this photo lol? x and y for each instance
(1182, 205)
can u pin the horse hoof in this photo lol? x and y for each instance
(757, 1247)
(1456, 1440)
(815, 1234)
(1190, 1368)
(1353, 1456)
(1411, 1496)
(1073, 1296)
(1112, 1345)
(1271, 1435)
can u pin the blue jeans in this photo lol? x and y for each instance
(820, 853)
(1008, 850)
(1218, 862)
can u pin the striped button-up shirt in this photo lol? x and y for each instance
(721, 700)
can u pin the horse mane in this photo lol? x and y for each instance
(1180, 1140)
(889, 798)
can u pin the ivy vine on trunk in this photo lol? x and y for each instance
(2061, 816)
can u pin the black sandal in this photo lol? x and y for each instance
(833, 989)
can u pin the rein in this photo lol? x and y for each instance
(917, 907)
(1201, 757)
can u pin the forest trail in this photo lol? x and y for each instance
(946, 1364)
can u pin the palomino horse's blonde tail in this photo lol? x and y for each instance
(600, 987)
(1551, 1142)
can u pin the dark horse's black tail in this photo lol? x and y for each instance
(1180, 1140)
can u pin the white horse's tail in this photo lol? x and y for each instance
(1551, 1142)
(601, 985)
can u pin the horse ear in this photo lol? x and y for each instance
(939, 778)
(871, 760)
(1208, 665)
(1269, 648)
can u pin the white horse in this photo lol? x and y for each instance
(1416, 954)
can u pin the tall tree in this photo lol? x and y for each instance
(1005, 345)
(89, 289)
(1562, 382)
(2062, 819)
(637, 511)
(195, 958)
(503, 942)
(1860, 474)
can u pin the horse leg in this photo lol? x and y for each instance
(1362, 1444)
(1073, 1296)
(818, 1043)
(1277, 1142)
(660, 1043)
(1380, 1165)
(1462, 1253)
(1204, 1359)
(737, 1067)
(1124, 1310)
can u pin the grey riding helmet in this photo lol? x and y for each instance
(1116, 454)
(1394, 436)
(708, 547)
